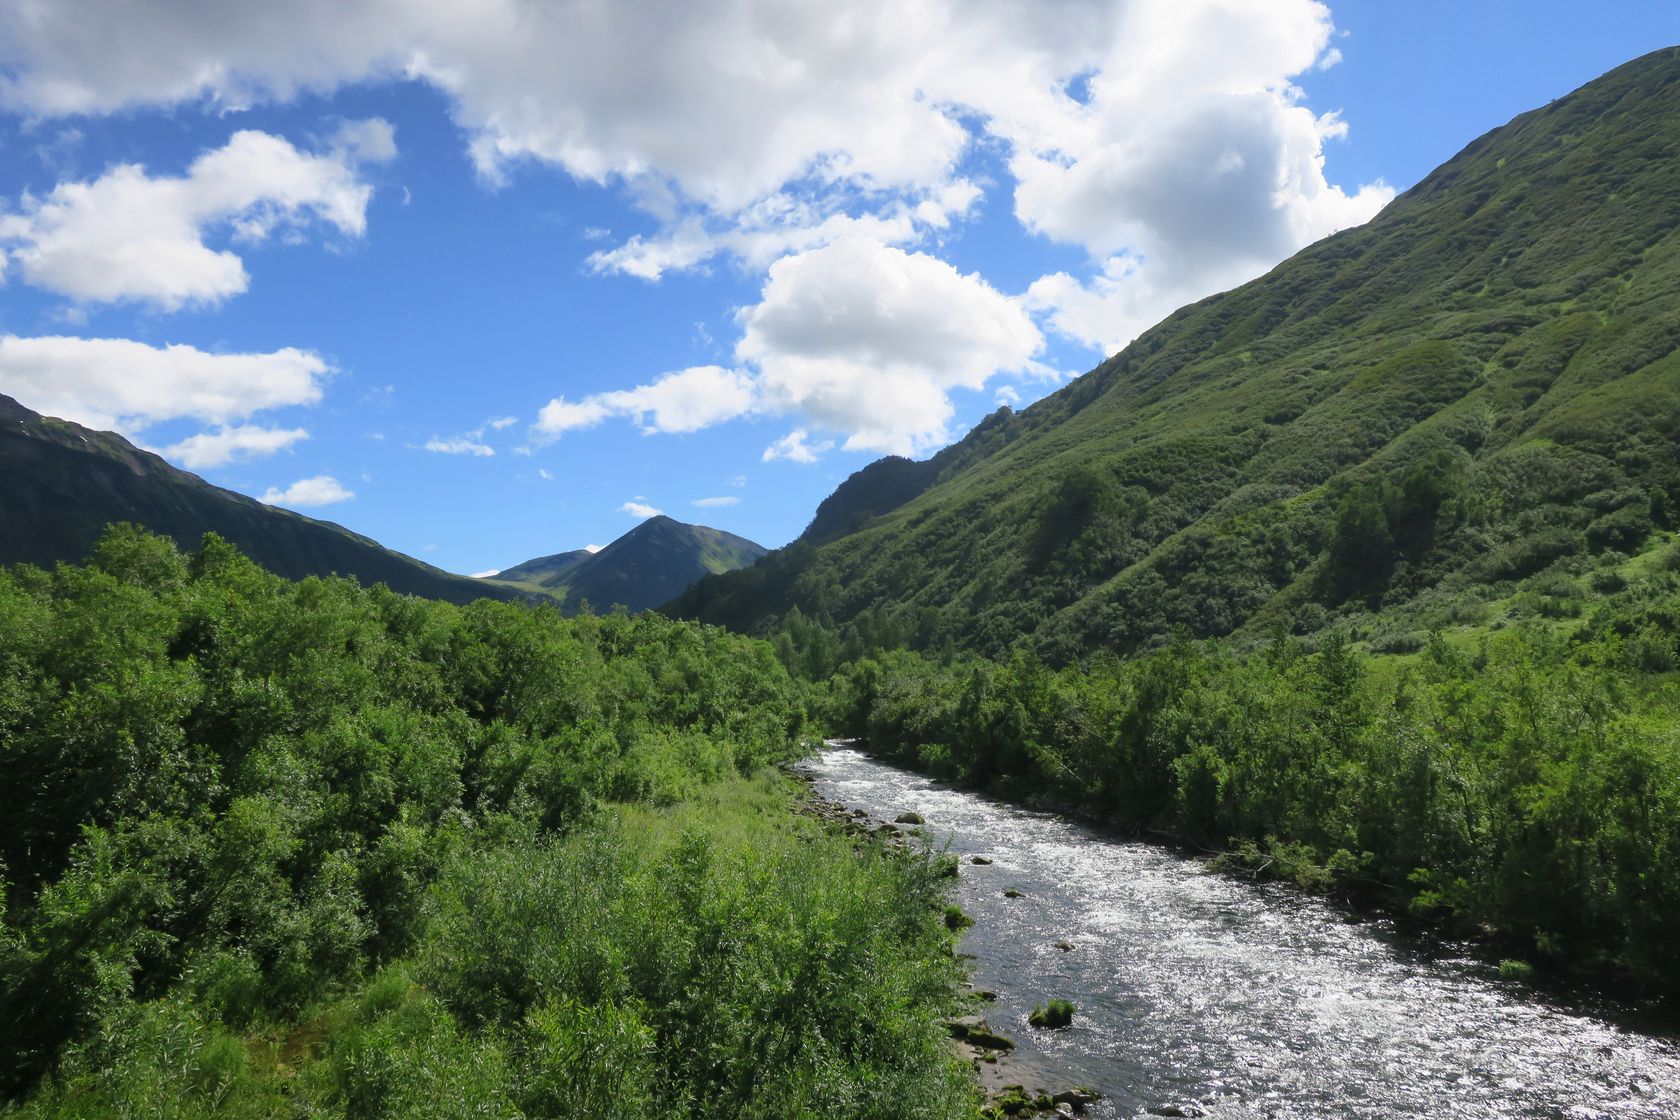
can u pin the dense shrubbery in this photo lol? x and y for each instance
(275, 847)
(1527, 780)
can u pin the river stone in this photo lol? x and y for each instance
(987, 1039)
(1064, 946)
(981, 861)
(1013, 894)
(1076, 1098)
(909, 818)
(1177, 1110)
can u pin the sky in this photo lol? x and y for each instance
(492, 279)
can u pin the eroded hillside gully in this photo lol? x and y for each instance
(1202, 995)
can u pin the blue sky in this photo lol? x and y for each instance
(489, 280)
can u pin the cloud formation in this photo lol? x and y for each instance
(854, 337)
(321, 490)
(714, 503)
(797, 447)
(866, 339)
(635, 508)
(121, 384)
(458, 445)
(830, 143)
(129, 236)
(229, 443)
(684, 401)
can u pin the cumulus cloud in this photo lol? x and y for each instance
(321, 490)
(634, 508)
(228, 443)
(1163, 138)
(130, 236)
(866, 339)
(855, 337)
(458, 445)
(1195, 168)
(714, 503)
(486, 574)
(762, 126)
(797, 447)
(126, 385)
(684, 401)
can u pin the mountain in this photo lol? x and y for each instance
(61, 484)
(544, 571)
(647, 566)
(1474, 396)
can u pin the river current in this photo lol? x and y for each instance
(1214, 996)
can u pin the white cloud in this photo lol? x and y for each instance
(764, 126)
(322, 490)
(684, 401)
(637, 509)
(226, 444)
(457, 445)
(797, 448)
(1164, 138)
(497, 423)
(593, 548)
(486, 574)
(1194, 168)
(713, 503)
(865, 339)
(129, 236)
(127, 385)
(542, 473)
(855, 337)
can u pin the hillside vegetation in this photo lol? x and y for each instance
(1520, 785)
(309, 849)
(1391, 431)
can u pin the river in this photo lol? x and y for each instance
(1221, 997)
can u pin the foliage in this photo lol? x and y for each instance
(1525, 780)
(308, 848)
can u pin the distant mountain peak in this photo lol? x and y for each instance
(647, 567)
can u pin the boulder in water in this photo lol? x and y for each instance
(1056, 1014)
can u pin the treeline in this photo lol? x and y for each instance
(1525, 780)
(304, 848)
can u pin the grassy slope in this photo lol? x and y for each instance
(1514, 315)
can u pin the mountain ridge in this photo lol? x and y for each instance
(645, 567)
(1497, 343)
(63, 483)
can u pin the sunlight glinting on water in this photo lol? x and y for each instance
(1226, 998)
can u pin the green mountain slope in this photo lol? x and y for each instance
(1477, 387)
(544, 571)
(61, 484)
(645, 567)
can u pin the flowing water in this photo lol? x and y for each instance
(1226, 998)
